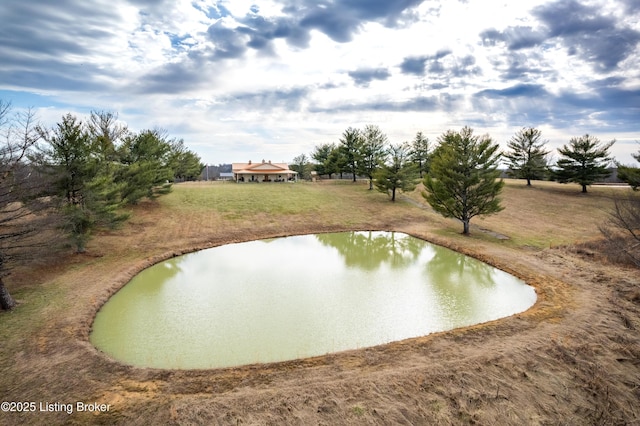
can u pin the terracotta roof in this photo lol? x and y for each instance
(262, 168)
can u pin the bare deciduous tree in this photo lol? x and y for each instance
(22, 200)
(622, 228)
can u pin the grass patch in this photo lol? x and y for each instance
(249, 199)
(549, 214)
(34, 302)
(339, 203)
(358, 411)
(545, 215)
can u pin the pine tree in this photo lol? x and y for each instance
(585, 161)
(184, 164)
(373, 151)
(90, 198)
(397, 174)
(527, 158)
(421, 153)
(325, 156)
(629, 174)
(463, 180)
(145, 170)
(350, 148)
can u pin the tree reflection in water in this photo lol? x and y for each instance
(456, 281)
(369, 250)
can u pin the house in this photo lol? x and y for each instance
(263, 172)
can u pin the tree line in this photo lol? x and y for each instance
(367, 152)
(460, 172)
(76, 177)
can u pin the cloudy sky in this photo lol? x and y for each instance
(248, 79)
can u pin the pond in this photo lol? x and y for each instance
(296, 297)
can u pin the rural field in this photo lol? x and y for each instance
(572, 359)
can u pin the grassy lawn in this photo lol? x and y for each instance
(234, 200)
(544, 215)
(334, 203)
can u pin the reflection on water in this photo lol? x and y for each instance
(368, 250)
(465, 288)
(297, 297)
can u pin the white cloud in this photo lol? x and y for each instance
(286, 91)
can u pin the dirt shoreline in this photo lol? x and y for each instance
(574, 358)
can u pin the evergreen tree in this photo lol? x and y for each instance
(398, 173)
(337, 161)
(350, 148)
(98, 206)
(184, 164)
(325, 156)
(69, 157)
(585, 161)
(146, 171)
(90, 198)
(629, 174)
(421, 153)
(463, 180)
(527, 158)
(107, 134)
(373, 151)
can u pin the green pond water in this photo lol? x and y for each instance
(296, 297)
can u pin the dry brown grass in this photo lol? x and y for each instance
(549, 214)
(574, 358)
(546, 214)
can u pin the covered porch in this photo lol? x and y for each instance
(263, 172)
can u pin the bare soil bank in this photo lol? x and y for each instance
(574, 358)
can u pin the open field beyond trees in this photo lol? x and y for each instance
(574, 358)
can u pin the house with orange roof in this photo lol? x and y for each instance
(263, 172)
